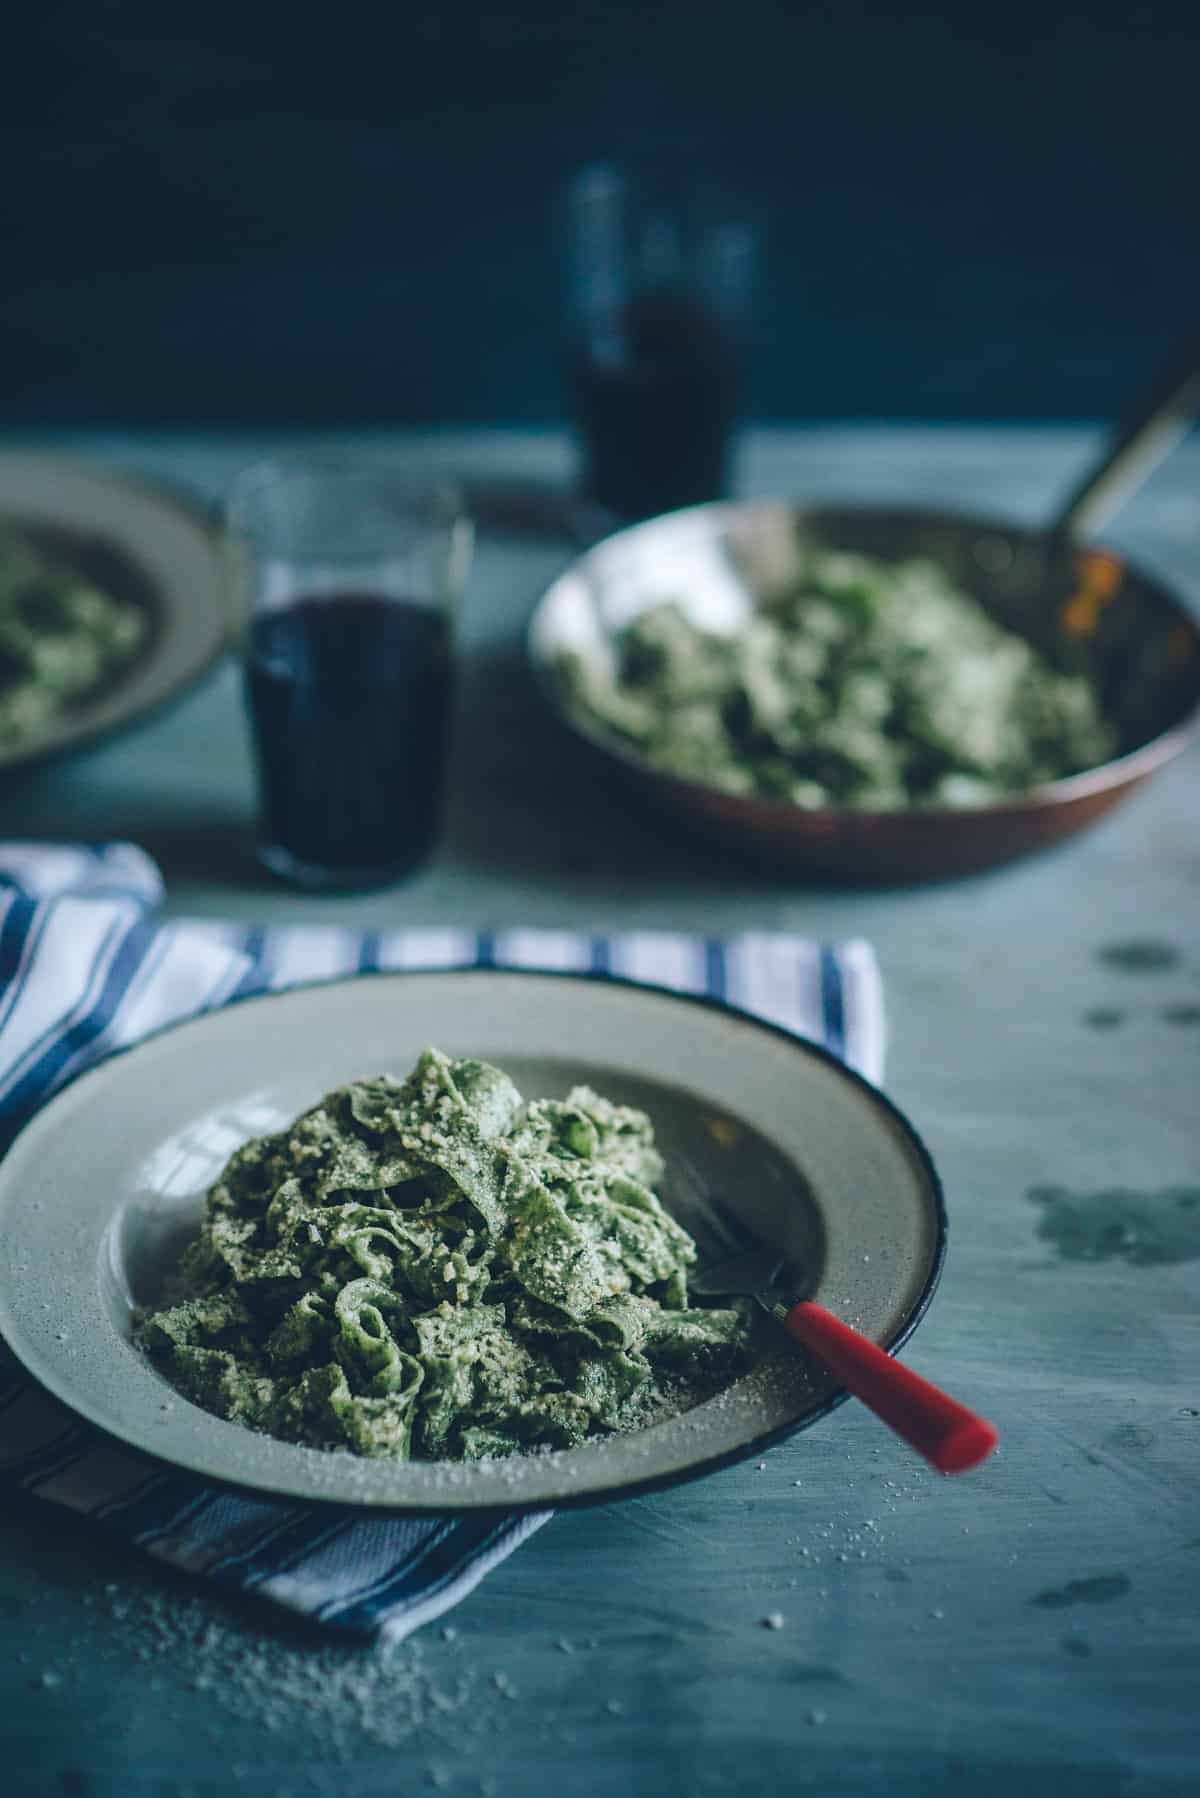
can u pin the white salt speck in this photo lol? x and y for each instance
(331, 1695)
(937, 1615)
(50, 1678)
(816, 1717)
(449, 1634)
(564, 1646)
(614, 1707)
(762, 1467)
(773, 1620)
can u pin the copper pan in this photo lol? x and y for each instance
(1086, 608)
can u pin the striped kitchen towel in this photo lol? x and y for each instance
(87, 968)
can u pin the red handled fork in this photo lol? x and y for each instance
(950, 1437)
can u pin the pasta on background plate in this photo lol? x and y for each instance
(62, 640)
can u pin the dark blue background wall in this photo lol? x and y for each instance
(259, 213)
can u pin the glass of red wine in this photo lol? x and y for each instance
(660, 270)
(349, 580)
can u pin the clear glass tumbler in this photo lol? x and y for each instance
(660, 273)
(349, 580)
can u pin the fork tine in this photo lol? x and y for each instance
(720, 1240)
(737, 1233)
(711, 1245)
(719, 1232)
(700, 1210)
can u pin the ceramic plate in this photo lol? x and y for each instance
(101, 1190)
(140, 545)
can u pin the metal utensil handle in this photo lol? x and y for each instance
(1136, 447)
(949, 1436)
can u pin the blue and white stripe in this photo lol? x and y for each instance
(85, 970)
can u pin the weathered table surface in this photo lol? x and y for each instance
(1034, 1624)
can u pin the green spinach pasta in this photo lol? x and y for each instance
(62, 640)
(436, 1268)
(862, 684)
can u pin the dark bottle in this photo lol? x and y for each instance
(656, 402)
(349, 697)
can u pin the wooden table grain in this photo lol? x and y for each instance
(1031, 1627)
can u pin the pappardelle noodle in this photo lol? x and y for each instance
(862, 684)
(62, 640)
(439, 1269)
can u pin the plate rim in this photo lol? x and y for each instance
(700, 1469)
(196, 513)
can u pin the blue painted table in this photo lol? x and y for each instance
(1035, 1624)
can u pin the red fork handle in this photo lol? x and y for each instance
(949, 1436)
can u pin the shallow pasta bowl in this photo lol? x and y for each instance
(1085, 609)
(101, 1190)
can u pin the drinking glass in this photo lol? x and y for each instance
(349, 579)
(660, 275)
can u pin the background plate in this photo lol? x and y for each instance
(100, 1190)
(139, 545)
